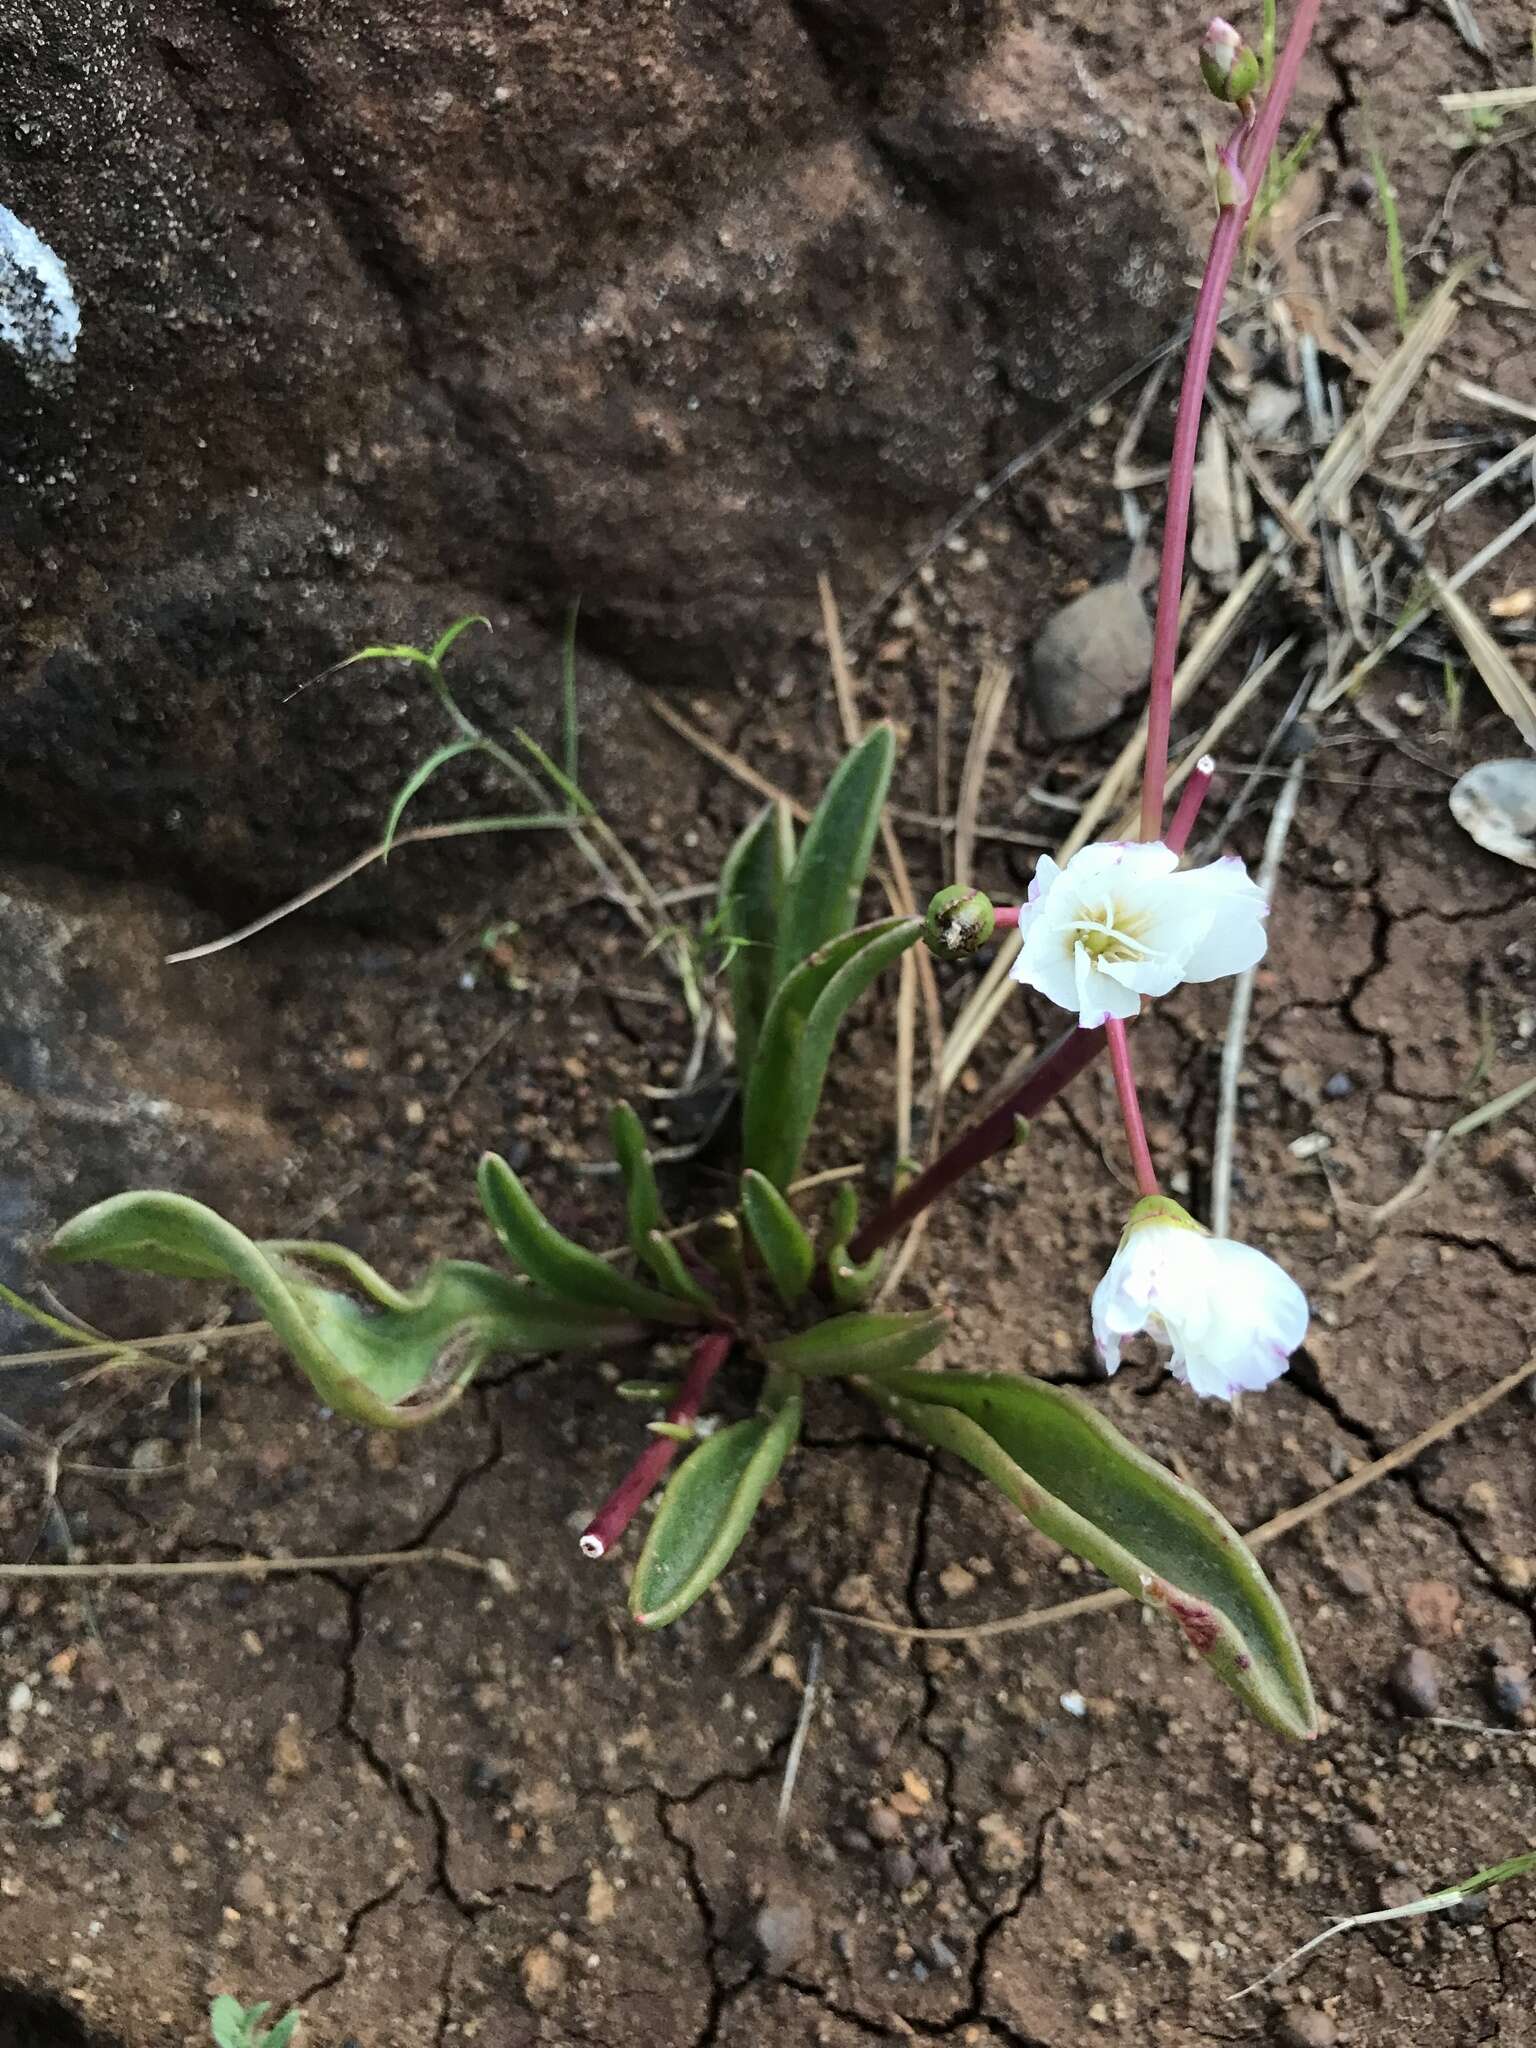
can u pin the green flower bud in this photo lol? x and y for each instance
(959, 920)
(1227, 64)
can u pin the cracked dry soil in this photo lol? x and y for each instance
(435, 1814)
(431, 1813)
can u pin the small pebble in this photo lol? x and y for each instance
(1337, 1086)
(900, 1869)
(1090, 657)
(1415, 1684)
(1307, 2028)
(1074, 1704)
(1510, 1690)
(1363, 1838)
(884, 1823)
(784, 1931)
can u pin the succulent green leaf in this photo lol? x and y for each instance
(821, 896)
(851, 1286)
(643, 1202)
(395, 1359)
(706, 1511)
(1078, 1479)
(751, 892)
(781, 1240)
(670, 1269)
(863, 1343)
(557, 1265)
(784, 1086)
(280, 2035)
(417, 780)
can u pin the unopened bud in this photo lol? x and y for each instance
(959, 920)
(1227, 64)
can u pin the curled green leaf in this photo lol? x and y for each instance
(394, 1358)
(707, 1510)
(418, 779)
(1077, 1478)
(863, 1344)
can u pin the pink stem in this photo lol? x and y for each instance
(1007, 920)
(1059, 1065)
(1130, 1106)
(1193, 796)
(1186, 443)
(642, 1478)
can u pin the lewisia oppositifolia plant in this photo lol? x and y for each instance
(786, 1280)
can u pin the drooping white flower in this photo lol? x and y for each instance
(1120, 922)
(1230, 1316)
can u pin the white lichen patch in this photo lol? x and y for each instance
(39, 316)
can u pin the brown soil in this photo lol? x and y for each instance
(431, 1813)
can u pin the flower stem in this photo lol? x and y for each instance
(1059, 1065)
(1130, 1106)
(1225, 243)
(1191, 799)
(642, 1478)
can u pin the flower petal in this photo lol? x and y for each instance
(1235, 908)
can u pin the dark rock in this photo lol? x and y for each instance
(1510, 1690)
(900, 1869)
(383, 322)
(1415, 1683)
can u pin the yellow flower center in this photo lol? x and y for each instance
(1108, 934)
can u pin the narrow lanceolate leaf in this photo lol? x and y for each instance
(781, 1240)
(418, 779)
(643, 1203)
(751, 891)
(871, 1345)
(393, 1358)
(557, 1265)
(1057, 1458)
(784, 1087)
(706, 1511)
(821, 897)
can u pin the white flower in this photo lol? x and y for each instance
(1120, 922)
(1230, 1316)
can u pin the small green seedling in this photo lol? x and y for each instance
(234, 2025)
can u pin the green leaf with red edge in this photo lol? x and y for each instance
(1079, 1480)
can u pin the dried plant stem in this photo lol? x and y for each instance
(1267, 1532)
(493, 1568)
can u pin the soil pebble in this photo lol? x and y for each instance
(783, 1929)
(1415, 1684)
(1510, 1690)
(1307, 2029)
(1089, 658)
